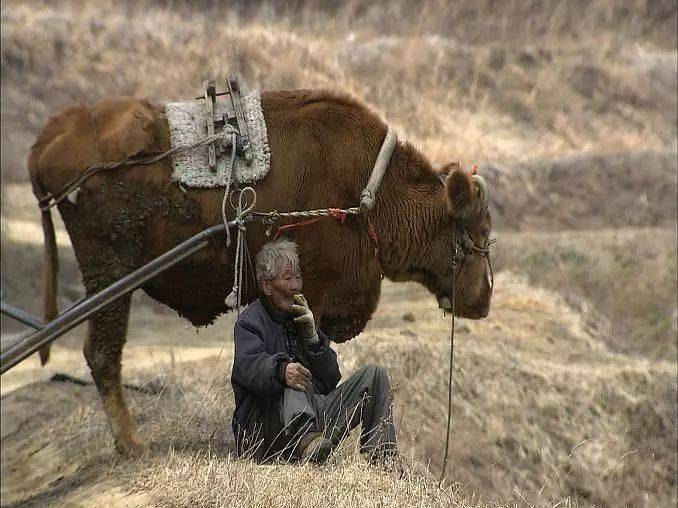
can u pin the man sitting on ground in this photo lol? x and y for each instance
(285, 376)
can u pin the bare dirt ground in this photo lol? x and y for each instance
(565, 395)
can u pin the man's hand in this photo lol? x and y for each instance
(297, 377)
(304, 320)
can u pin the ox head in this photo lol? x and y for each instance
(461, 250)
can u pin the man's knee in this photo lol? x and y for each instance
(297, 413)
(376, 372)
(296, 398)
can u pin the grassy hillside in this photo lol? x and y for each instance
(542, 411)
(565, 395)
(624, 281)
(535, 87)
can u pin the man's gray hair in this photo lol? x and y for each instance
(274, 256)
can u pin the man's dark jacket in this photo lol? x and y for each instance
(265, 342)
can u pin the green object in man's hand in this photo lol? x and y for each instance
(304, 320)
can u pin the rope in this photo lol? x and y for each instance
(272, 217)
(231, 165)
(485, 252)
(234, 298)
(372, 233)
(449, 380)
(295, 226)
(49, 201)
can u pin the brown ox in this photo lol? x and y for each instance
(323, 147)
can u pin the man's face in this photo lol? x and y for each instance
(280, 290)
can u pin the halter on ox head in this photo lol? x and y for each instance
(467, 281)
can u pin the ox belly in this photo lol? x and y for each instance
(137, 222)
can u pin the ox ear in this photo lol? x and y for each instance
(460, 193)
(448, 168)
(467, 195)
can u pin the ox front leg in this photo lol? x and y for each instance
(103, 351)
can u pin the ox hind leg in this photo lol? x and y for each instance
(103, 351)
(107, 332)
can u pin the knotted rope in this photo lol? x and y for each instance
(230, 170)
(274, 216)
(234, 298)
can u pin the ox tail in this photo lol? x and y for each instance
(50, 271)
(50, 268)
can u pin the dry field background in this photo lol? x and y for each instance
(565, 395)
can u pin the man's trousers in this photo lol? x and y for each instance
(363, 398)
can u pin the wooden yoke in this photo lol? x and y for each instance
(231, 113)
(210, 96)
(234, 90)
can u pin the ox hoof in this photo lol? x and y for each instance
(131, 448)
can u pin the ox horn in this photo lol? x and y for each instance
(484, 192)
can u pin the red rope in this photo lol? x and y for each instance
(338, 214)
(295, 226)
(373, 235)
(335, 213)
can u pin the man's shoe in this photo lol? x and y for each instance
(315, 448)
(387, 460)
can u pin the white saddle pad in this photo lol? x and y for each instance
(187, 125)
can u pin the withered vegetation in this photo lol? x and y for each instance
(565, 395)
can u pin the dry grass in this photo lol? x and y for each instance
(545, 93)
(586, 192)
(199, 481)
(191, 462)
(549, 409)
(528, 397)
(543, 411)
(624, 281)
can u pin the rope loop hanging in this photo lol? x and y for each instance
(242, 210)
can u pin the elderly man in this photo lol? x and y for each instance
(285, 376)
